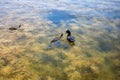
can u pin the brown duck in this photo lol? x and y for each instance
(56, 38)
(14, 28)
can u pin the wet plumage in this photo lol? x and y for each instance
(70, 38)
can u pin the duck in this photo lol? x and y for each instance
(56, 38)
(14, 28)
(70, 38)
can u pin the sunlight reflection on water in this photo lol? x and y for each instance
(26, 53)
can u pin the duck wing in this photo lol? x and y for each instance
(71, 38)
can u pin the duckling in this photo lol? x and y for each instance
(14, 28)
(70, 38)
(56, 38)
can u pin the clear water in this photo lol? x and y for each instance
(26, 53)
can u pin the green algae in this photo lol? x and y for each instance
(26, 56)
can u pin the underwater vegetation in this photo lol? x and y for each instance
(28, 57)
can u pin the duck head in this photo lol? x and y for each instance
(68, 32)
(20, 25)
(61, 35)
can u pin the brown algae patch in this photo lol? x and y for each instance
(27, 56)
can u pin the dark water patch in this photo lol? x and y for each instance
(88, 54)
(61, 55)
(118, 26)
(50, 59)
(106, 46)
(113, 14)
(81, 31)
(105, 43)
(56, 16)
(109, 29)
(107, 60)
(22, 38)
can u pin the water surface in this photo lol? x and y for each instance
(26, 53)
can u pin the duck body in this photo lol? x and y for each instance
(15, 28)
(56, 39)
(70, 38)
(12, 28)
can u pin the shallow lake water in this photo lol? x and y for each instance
(27, 54)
